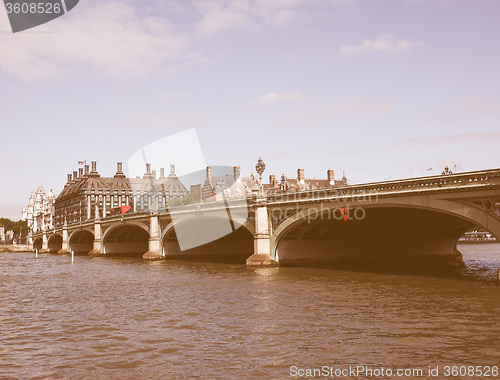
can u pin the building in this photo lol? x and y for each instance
(87, 195)
(40, 210)
(218, 187)
(7, 237)
(301, 183)
(227, 186)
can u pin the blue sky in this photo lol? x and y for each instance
(380, 89)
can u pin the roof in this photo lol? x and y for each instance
(96, 184)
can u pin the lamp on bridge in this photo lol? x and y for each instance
(260, 167)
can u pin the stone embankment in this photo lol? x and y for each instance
(15, 248)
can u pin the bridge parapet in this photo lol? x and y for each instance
(441, 183)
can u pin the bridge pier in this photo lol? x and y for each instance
(45, 243)
(97, 251)
(153, 252)
(262, 240)
(64, 248)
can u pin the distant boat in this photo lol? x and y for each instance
(477, 237)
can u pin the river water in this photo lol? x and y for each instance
(124, 318)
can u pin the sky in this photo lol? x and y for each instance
(379, 89)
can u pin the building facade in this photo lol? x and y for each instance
(235, 186)
(40, 210)
(87, 195)
(227, 186)
(5, 236)
(301, 183)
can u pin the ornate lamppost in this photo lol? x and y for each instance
(260, 167)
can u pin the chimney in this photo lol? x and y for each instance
(330, 176)
(209, 172)
(154, 174)
(94, 173)
(272, 180)
(80, 172)
(162, 173)
(172, 174)
(300, 175)
(86, 170)
(236, 172)
(69, 178)
(119, 170)
(148, 168)
(75, 175)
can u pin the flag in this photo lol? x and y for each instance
(81, 162)
(429, 169)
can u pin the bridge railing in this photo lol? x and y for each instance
(375, 189)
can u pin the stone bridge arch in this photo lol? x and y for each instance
(126, 239)
(81, 241)
(38, 243)
(428, 228)
(108, 228)
(54, 243)
(235, 246)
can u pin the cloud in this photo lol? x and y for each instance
(273, 97)
(387, 44)
(480, 105)
(123, 39)
(106, 37)
(217, 16)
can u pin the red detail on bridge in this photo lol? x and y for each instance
(345, 211)
(119, 210)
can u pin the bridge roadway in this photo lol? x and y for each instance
(409, 221)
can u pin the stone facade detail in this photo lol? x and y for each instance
(40, 210)
(87, 195)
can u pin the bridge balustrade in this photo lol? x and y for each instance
(411, 184)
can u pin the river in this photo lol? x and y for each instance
(125, 318)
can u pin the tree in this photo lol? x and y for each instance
(16, 227)
(186, 200)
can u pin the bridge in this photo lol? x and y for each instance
(412, 220)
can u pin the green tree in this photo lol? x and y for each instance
(16, 227)
(186, 200)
